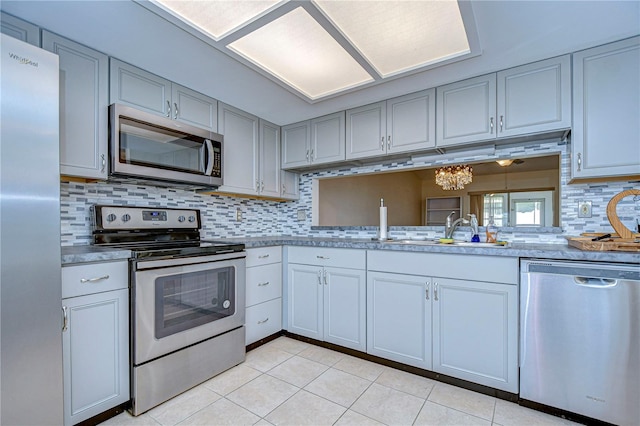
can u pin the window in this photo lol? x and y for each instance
(528, 212)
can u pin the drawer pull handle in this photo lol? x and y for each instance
(263, 321)
(93, 280)
(263, 256)
(263, 284)
(323, 257)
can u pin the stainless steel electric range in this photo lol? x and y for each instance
(187, 299)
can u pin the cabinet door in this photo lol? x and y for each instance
(95, 354)
(345, 307)
(305, 300)
(140, 89)
(327, 138)
(196, 109)
(295, 145)
(269, 159)
(466, 111)
(84, 98)
(366, 131)
(290, 185)
(17, 28)
(240, 150)
(475, 332)
(606, 106)
(534, 98)
(411, 122)
(399, 318)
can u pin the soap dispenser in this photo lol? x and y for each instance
(473, 223)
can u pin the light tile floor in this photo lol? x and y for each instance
(288, 382)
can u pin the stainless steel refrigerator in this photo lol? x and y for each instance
(30, 282)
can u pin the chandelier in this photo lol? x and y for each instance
(454, 177)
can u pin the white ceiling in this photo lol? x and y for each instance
(510, 33)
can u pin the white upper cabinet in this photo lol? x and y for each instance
(194, 108)
(327, 138)
(366, 131)
(251, 154)
(241, 151)
(314, 142)
(146, 91)
(394, 126)
(466, 111)
(530, 99)
(411, 122)
(17, 28)
(606, 106)
(84, 98)
(295, 145)
(269, 161)
(290, 183)
(534, 98)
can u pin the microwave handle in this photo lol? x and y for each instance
(210, 157)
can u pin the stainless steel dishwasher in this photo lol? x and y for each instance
(580, 338)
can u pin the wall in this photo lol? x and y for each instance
(266, 218)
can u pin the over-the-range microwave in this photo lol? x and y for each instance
(148, 148)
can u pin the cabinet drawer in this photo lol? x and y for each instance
(263, 320)
(80, 280)
(339, 258)
(456, 266)
(264, 283)
(263, 255)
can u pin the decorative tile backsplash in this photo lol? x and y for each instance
(267, 218)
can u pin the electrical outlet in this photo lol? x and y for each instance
(302, 215)
(584, 208)
(238, 215)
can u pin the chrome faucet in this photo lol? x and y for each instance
(450, 227)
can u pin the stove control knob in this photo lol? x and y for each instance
(192, 218)
(181, 219)
(111, 217)
(126, 217)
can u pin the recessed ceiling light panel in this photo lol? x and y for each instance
(398, 36)
(220, 17)
(298, 50)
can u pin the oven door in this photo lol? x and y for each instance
(179, 302)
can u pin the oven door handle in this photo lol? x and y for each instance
(210, 157)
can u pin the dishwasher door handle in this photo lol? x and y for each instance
(595, 282)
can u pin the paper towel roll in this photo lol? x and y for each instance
(383, 223)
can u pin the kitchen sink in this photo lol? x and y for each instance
(455, 243)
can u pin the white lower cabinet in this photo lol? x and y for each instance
(95, 339)
(263, 316)
(399, 318)
(327, 295)
(453, 314)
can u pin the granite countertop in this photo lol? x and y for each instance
(85, 254)
(81, 254)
